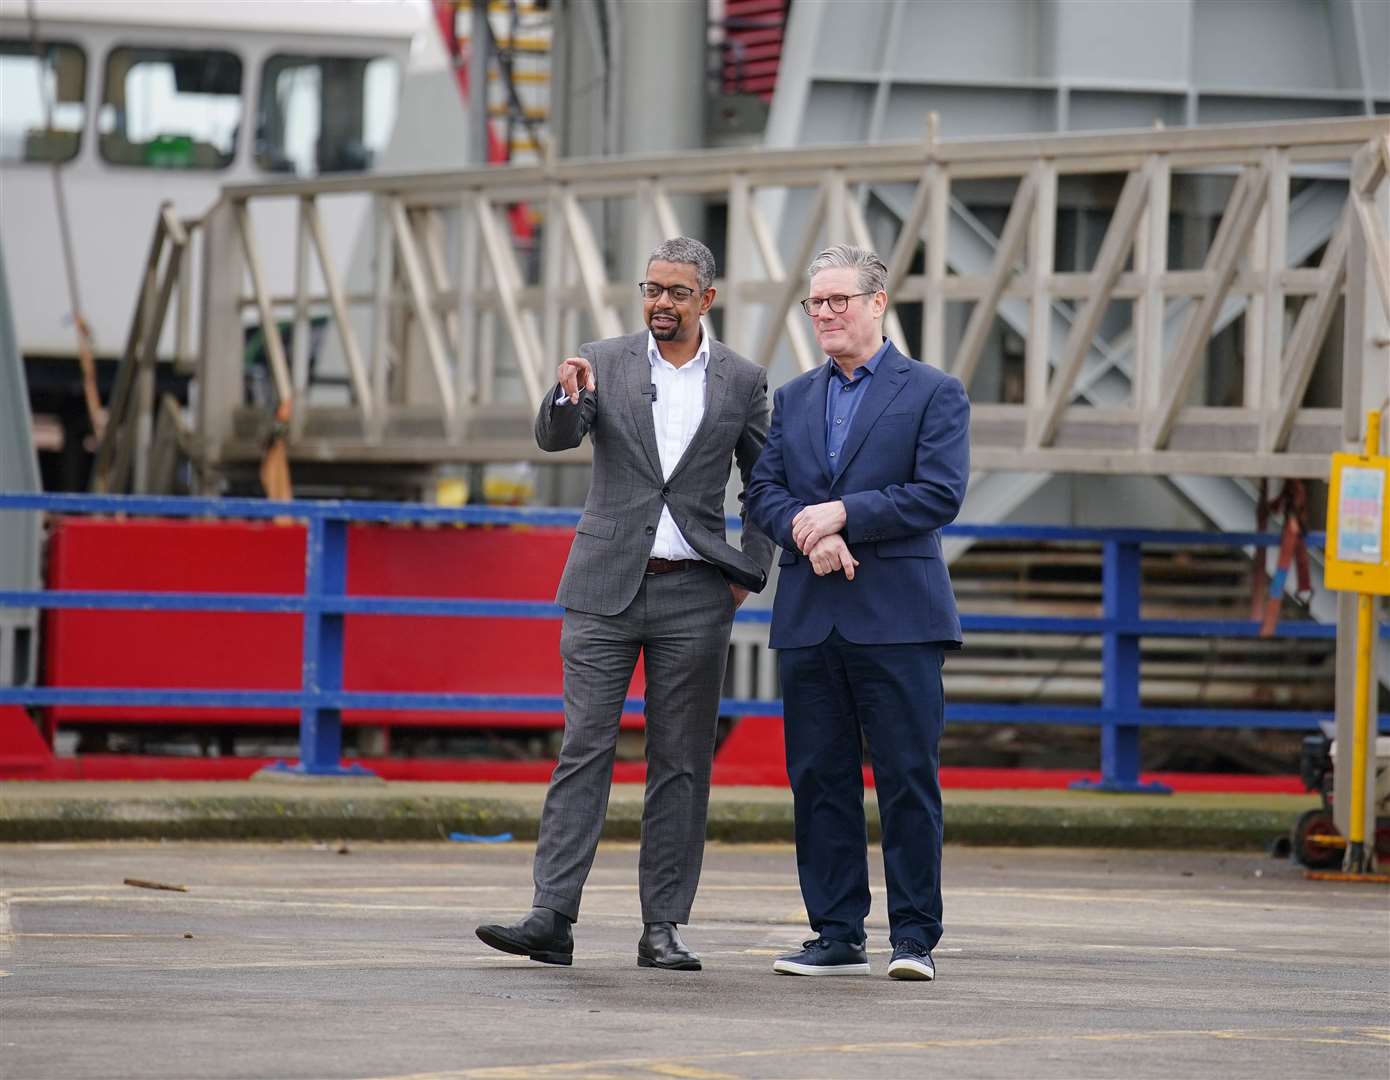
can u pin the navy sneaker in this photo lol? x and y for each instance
(824, 957)
(911, 960)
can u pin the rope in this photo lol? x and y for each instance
(1268, 591)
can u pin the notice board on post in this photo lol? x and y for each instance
(1358, 525)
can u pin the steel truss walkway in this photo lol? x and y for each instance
(446, 353)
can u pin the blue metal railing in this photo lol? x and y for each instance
(324, 604)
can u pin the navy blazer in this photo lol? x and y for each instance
(902, 475)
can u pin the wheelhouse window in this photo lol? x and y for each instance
(325, 114)
(42, 109)
(170, 108)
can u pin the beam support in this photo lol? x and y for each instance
(1006, 256)
(1222, 262)
(1110, 262)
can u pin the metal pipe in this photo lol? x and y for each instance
(1357, 860)
(479, 37)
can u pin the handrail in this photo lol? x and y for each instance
(855, 158)
(324, 604)
(123, 449)
(423, 513)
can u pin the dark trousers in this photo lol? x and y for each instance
(679, 623)
(891, 694)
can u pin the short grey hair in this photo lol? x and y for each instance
(684, 249)
(873, 275)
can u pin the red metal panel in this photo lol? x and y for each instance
(220, 650)
(24, 750)
(174, 650)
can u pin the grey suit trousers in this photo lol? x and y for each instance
(679, 623)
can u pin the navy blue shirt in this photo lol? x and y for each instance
(842, 398)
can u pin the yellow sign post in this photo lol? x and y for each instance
(1358, 560)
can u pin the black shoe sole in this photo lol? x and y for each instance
(682, 965)
(491, 938)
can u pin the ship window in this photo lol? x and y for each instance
(29, 86)
(170, 108)
(325, 114)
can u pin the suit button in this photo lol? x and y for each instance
(650, 530)
(666, 491)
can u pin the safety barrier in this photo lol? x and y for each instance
(325, 605)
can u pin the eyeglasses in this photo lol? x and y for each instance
(839, 303)
(652, 290)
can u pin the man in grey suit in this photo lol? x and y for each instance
(649, 572)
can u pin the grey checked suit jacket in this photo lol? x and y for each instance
(614, 537)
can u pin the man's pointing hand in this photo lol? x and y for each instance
(575, 374)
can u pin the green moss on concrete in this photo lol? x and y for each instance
(406, 812)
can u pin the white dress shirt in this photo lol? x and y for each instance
(677, 411)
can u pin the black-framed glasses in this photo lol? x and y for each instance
(839, 303)
(652, 290)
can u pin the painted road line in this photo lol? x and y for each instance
(617, 1067)
(6, 927)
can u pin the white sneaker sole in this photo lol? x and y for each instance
(911, 969)
(790, 967)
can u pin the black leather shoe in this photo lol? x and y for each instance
(661, 947)
(543, 935)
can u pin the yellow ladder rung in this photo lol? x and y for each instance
(523, 76)
(531, 114)
(525, 44)
(501, 7)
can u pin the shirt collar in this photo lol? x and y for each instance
(869, 367)
(699, 360)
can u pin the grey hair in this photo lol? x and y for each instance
(684, 249)
(873, 275)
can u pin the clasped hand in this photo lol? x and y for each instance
(814, 523)
(816, 531)
(831, 554)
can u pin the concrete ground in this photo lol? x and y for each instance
(293, 960)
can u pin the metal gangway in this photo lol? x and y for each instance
(444, 334)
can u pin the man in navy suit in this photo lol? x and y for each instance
(867, 458)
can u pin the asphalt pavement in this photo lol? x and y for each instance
(358, 961)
